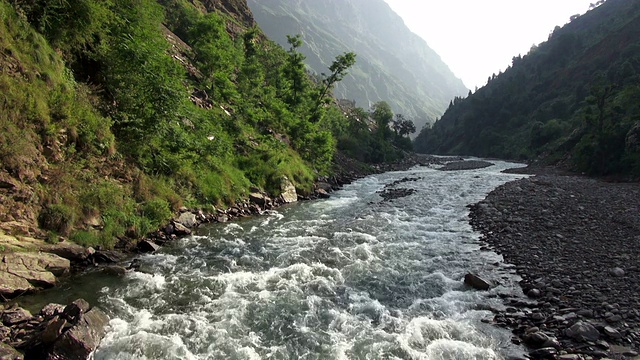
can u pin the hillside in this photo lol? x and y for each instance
(394, 64)
(118, 113)
(571, 100)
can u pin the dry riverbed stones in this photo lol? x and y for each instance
(576, 244)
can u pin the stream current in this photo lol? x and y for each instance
(349, 277)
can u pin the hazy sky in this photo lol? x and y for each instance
(479, 38)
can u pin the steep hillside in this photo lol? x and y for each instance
(572, 100)
(117, 113)
(394, 64)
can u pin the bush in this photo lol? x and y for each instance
(58, 218)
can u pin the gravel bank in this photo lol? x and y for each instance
(576, 243)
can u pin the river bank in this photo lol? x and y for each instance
(575, 242)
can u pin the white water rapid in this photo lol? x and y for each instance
(350, 277)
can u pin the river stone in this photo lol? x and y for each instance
(148, 246)
(15, 316)
(612, 333)
(82, 339)
(181, 230)
(75, 310)
(53, 330)
(476, 282)
(52, 309)
(258, 199)
(617, 272)
(289, 194)
(9, 353)
(187, 219)
(583, 331)
(544, 353)
(20, 272)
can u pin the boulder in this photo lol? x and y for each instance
(23, 272)
(15, 316)
(147, 246)
(289, 194)
(259, 199)
(181, 230)
(82, 339)
(51, 310)
(322, 194)
(188, 219)
(53, 330)
(476, 282)
(74, 311)
(616, 272)
(583, 332)
(9, 353)
(108, 256)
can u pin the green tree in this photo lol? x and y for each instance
(338, 71)
(382, 115)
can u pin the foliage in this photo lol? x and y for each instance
(114, 127)
(572, 100)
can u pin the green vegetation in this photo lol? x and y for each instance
(118, 112)
(571, 101)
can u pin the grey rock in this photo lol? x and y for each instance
(258, 199)
(148, 246)
(82, 339)
(187, 219)
(612, 333)
(181, 230)
(583, 331)
(544, 354)
(617, 272)
(476, 282)
(51, 310)
(74, 311)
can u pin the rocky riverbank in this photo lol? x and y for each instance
(575, 242)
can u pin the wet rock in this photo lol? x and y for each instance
(322, 194)
(74, 311)
(611, 332)
(537, 340)
(544, 354)
(115, 270)
(476, 282)
(108, 256)
(583, 331)
(148, 246)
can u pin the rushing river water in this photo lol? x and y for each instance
(350, 277)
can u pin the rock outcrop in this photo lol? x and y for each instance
(25, 272)
(57, 332)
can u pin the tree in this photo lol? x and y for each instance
(295, 71)
(382, 114)
(338, 71)
(402, 126)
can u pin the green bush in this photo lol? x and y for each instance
(57, 217)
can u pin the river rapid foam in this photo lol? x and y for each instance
(350, 277)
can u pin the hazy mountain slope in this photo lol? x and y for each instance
(393, 64)
(571, 100)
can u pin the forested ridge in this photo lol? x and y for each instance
(117, 113)
(571, 101)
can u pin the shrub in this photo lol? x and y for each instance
(58, 218)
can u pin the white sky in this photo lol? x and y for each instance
(477, 38)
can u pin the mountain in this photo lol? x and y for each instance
(572, 100)
(393, 64)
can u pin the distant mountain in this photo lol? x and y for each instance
(393, 64)
(572, 100)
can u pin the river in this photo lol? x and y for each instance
(350, 277)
